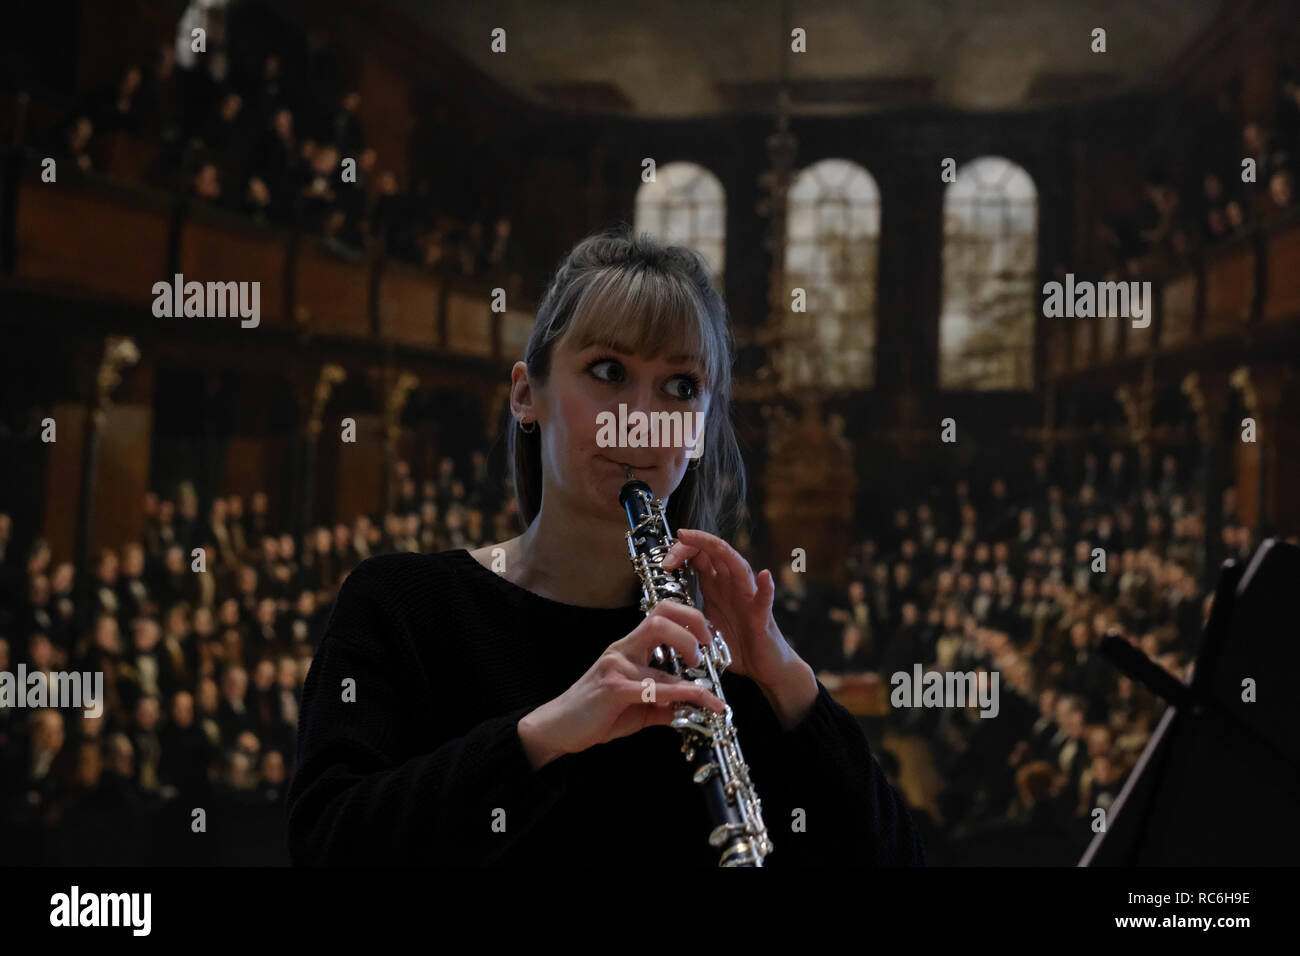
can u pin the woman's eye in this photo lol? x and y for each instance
(609, 364)
(691, 387)
(681, 387)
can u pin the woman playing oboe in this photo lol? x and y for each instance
(488, 706)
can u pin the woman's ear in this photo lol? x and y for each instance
(521, 393)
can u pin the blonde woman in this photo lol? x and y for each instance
(485, 707)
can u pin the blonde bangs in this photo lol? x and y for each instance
(647, 313)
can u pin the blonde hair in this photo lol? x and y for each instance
(634, 294)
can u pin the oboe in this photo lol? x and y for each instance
(708, 739)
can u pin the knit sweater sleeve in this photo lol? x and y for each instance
(371, 787)
(826, 800)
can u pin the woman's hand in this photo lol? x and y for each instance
(739, 604)
(609, 701)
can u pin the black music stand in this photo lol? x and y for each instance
(1219, 781)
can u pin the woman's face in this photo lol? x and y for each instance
(576, 469)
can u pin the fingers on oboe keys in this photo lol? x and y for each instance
(688, 618)
(672, 692)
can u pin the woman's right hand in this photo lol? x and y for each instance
(606, 702)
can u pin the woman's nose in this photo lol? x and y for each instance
(637, 401)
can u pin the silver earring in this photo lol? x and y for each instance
(526, 430)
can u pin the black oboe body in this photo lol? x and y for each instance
(708, 739)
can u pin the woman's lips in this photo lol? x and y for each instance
(629, 464)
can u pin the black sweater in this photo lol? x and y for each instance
(447, 656)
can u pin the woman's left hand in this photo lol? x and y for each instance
(739, 604)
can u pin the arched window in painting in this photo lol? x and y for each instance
(832, 251)
(990, 236)
(686, 206)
